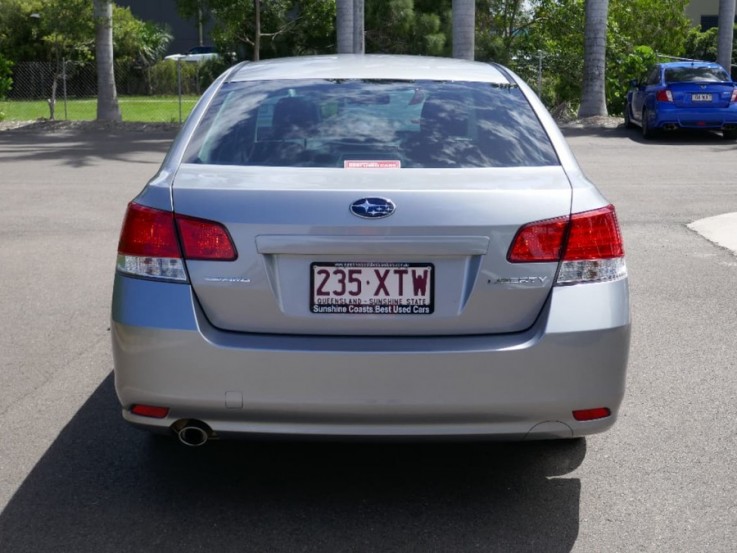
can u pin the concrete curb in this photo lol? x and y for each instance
(720, 229)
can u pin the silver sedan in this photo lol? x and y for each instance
(370, 246)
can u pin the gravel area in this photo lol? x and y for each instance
(44, 125)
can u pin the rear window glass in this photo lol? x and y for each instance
(370, 124)
(696, 75)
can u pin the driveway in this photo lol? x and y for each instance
(74, 477)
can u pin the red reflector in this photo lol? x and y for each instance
(591, 414)
(664, 96)
(538, 242)
(150, 411)
(594, 235)
(203, 239)
(148, 233)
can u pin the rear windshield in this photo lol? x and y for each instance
(370, 124)
(696, 75)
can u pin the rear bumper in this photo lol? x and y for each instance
(511, 386)
(695, 118)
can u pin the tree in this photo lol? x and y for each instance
(282, 27)
(593, 90)
(464, 29)
(344, 25)
(726, 33)
(107, 96)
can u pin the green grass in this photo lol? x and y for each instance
(133, 108)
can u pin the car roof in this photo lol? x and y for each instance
(369, 66)
(694, 63)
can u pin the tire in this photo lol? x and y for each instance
(647, 131)
(627, 116)
(729, 135)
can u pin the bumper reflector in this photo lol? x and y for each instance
(591, 414)
(151, 411)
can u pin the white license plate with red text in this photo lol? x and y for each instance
(371, 288)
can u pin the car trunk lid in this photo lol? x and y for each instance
(307, 264)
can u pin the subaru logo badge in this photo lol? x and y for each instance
(372, 208)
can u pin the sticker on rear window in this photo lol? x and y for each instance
(372, 164)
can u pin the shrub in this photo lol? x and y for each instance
(6, 79)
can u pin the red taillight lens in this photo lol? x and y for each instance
(151, 411)
(594, 235)
(151, 232)
(149, 243)
(148, 233)
(664, 96)
(591, 414)
(591, 235)
(538, 242)
(734, 96)
(205, 240)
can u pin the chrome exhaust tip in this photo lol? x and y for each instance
(193, 433)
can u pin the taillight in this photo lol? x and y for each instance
(150, 244)
(664, 96)
(594, 235)
(588, 244)
(734, 96)
(205, 240)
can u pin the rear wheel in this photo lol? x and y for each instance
(647, 131)
(730, 135)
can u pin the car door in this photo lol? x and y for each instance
(640, 93)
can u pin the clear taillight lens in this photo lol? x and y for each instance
(588, 244)
(150, 243)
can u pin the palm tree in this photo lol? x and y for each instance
(359, 43)
(344, 25)
(593, 91)
(464, 28)
(726, 33)
(107, 95)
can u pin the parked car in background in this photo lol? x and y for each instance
(683, 95)
(196, 54)
(370, 246)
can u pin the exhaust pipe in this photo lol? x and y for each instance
(670, 127)
(193, 433)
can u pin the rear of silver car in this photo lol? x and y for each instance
(308, 263)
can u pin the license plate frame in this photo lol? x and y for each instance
(372, 288)
(701, 97)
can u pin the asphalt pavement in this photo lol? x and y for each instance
(74, 477)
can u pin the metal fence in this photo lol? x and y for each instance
(163, 92)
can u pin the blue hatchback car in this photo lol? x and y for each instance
(683, 95)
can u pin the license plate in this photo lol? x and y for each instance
(701, 97)
(369, 288)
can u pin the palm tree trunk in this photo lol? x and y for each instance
(257, 32)
(464, 29)
(107, 95)
(593, 90)
(359, 45)
(726, 33)
(344, 25)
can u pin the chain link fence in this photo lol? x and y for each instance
(164, 92)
